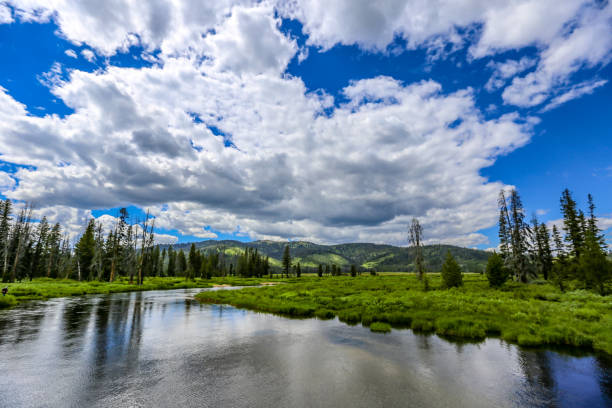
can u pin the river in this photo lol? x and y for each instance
(164, 349)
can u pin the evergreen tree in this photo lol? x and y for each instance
(54, 251)
(298, 270)
(451, 272)
(171, 262)
(594, 267)
(327, 269)
(592, 226)
(39, 257)
(162, 262)
(181, 263)
(560, 270)
(5, 218)
(320, 271)
(267, 269)
(85, 251)
(286, 261)
(541, 248)
(504, 226)
(519, 231)
(194, 263)
(572, 224)
(353, 271)
(496, 271)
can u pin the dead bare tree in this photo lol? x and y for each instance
(415, 237)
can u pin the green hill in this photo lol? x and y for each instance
(383, 258)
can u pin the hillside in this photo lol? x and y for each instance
(386, 258)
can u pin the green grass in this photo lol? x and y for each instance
(43, 288)
(380, 327)
(528, 315)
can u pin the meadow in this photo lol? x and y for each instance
(535, 314)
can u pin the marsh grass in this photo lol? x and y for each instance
(43, 288)
(528, 315)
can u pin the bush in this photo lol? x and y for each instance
(380, 327)
(451, 272)
(497, 273)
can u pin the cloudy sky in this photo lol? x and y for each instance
(330, 121)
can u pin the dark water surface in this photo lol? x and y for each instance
(163, 349)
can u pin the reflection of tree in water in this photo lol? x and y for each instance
(536, 368)
(115, 344)
(76, 316)
(21, 324)
(423, 340)
(604, 365)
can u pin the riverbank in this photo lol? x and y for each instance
(42, 288)
(528, 315)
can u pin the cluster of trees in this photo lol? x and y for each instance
(529, 249)
(31, 249)
(288, 268)
(28, 250)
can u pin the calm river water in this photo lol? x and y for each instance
(163, 349)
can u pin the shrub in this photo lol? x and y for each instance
(451, 272)
(380, 327)
(497, 273)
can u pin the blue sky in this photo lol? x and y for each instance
(274, 120)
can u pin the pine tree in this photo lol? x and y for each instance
(162, 262)
(504, 225)
(194, 263)
(5, 218)
(594, 266)
(519, 231)
(451, 272)
(496, 271)
(571, 224)
(320, 271)
(39, 257)
(545, 254)
(353, 271)
(298, 270)
(286, 261)
(592, 226)
(171, 262)
(181, 263)
(560, 270)
(85, 250)
(541, 248)
(54, 251)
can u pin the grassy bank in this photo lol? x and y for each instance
(40, 289)
(528, 315)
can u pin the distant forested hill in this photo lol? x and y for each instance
(382, 258)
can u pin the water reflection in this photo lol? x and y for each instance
(164, 349)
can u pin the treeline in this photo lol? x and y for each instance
(30, 249)
(575, 253)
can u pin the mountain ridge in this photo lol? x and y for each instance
(367, 256)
